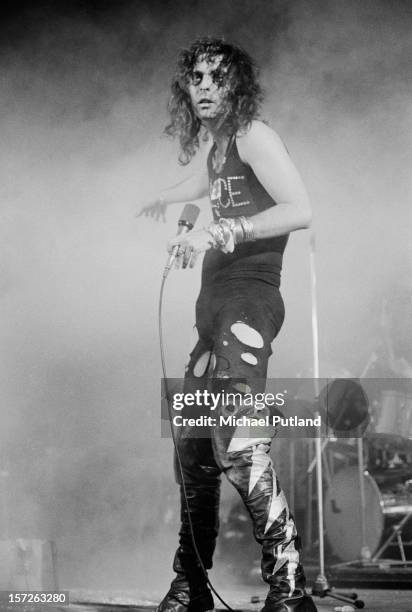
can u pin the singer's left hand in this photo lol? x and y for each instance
(190, 246)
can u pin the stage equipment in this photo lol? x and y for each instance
(345, 406)
(186, 222)
(29, 565)
(321, 587)
(393, 414)
(389, 459)
(343, 508)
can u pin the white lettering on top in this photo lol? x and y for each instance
(223, 194)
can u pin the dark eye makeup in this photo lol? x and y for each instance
(218, 77)
(196, 77)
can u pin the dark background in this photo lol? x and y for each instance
(84, 87)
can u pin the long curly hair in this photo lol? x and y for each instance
(242, 100)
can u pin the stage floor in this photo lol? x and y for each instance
(376, 600)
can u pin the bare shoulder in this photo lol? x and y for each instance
(258, 138)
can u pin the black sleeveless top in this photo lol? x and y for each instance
(235, 191)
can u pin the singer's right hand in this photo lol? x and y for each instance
(190, 245)
(155, 209)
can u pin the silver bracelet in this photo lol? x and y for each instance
(230, 231)
(217, 232)
(242, 228)
(235, 227)
(222, 236)
(248, 229)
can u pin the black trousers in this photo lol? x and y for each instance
(236, 320)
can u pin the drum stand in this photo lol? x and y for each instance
(365, 554)
(396, 534)
(321, 587)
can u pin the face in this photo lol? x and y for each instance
(208, 87)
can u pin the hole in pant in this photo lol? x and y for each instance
(249, 358)
(242, 387)
(247, 335)
(201, 364)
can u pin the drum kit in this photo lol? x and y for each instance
(384, 423)
(368, 507)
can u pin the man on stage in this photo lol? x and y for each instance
(257, 199)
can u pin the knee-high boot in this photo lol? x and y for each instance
(253, 475)
(189, 591)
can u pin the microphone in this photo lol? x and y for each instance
(186, 222)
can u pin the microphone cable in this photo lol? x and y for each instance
(179, 462)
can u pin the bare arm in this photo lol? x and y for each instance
(262, 149)
(194, 187)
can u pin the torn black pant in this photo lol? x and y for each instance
(237, 321)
